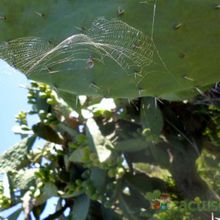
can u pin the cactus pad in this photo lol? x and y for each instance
(160, 49)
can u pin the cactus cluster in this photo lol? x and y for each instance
(110, 159)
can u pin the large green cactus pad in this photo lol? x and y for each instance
(185, 48)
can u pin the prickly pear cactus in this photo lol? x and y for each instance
(164, 49)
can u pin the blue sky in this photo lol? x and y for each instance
(12, 99)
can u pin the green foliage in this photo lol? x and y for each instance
(208, 167)
(113, 158)
(47, 133)
(213, 129)
(106, 163)
(97, 142)
(80, 208)
(16, 157)
(151, 116)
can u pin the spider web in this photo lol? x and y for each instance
(22, 53)
(111, 39)
(121, 42)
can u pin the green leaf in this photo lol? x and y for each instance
(151, 116)
(143, 183)
(160, 155)
(131, 145)
(16, 157)
(132, 201)
(127, 208)
(97, 141)
(24, 178)
(80, 155)
(80, 208)
(140, 182)
(69, 98)
(109, 214)
(98, 177)
(47, 133)
(70, 131)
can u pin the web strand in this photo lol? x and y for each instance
(106, 39)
